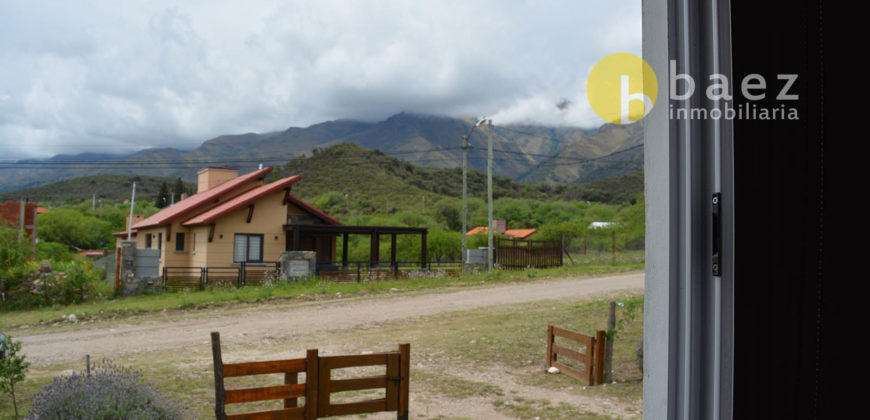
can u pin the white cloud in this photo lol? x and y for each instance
(119, 76)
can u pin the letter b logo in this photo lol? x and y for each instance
(621, 88)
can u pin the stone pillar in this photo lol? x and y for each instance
(298, 264)
(128, 265)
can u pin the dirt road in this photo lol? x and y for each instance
(288, 319)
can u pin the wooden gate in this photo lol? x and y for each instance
(318, 385)
(592, 359)
(527, 253)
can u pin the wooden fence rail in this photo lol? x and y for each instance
(318, 385)
(592, 359)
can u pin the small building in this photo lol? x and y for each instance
(230, 220)
(601, 225)
(20, 215)
(501, 229)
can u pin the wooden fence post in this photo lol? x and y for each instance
(608, 348)
(613, 247)
(219, 408)
(600, 339)
(404, 385)
(312, 363)
(291, 379)
(550, 338)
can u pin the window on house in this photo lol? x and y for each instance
(160, 241)
(247, 248)
(179, 241)
(148, 241)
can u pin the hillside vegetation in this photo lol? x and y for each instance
(111, 187)
(355, 180)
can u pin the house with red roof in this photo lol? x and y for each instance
(501, 229)
(233, 219)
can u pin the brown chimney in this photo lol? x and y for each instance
(212, 176)
(500, 226)
(136, 219)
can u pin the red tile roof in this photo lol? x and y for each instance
(241, 201)
(519, 233)
(478, 230)
(123, 233)
(195, 201)
(511, 233)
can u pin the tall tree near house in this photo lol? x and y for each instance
(162, 199)
(179, 189)
(13, 368)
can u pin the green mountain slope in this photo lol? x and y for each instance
(353, 179)
(580, 161)
(111, 187)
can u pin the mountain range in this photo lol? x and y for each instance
(525, 153)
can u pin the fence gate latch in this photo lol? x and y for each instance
(717, 235)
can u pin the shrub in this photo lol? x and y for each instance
(110, 392)
(47, 283)
(53, 251)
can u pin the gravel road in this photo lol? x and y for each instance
(293, 318)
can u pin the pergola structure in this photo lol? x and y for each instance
(297, 231)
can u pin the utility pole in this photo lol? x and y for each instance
(489, 256)
(463, 257)
(132, 205)
(465, 147)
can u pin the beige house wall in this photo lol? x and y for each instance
(199, 246)
(269, 218)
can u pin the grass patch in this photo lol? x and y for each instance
(454, 386)
(124, 307)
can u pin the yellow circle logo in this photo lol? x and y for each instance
(622, 88)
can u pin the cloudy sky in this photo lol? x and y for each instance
(118, 76)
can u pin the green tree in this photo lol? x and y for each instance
(13, 368)
(72, 228)
(162, 199)
(448, 214)
(179, 189)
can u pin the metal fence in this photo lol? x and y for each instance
(190, 278)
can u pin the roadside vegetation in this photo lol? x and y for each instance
(107, 307)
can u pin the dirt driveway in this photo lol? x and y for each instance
(293, 319)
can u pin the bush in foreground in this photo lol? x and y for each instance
(110, 392)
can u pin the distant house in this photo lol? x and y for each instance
(230, 220)
(11, 213)
(501, 229)
(601, 225)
